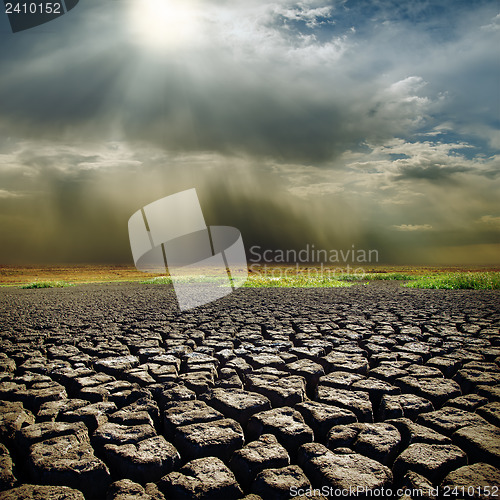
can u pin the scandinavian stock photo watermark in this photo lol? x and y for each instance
(311, 261)
(204, 262)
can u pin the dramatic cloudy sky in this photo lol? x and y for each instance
(333, 123)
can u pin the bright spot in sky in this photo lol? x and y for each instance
(160, 24)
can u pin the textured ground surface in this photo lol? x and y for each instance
(107, 391)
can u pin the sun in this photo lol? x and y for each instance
(160, 24)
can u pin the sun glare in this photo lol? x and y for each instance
(164, 23)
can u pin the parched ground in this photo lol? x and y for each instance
(108, 391)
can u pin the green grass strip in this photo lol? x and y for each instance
(389, 276)
(46, 284)
(294, 282)
(458, 281)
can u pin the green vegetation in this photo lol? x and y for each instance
(376, 277)
(451, 281)
(279, 277)
(458, 281)
(351, 277)
(389, 276)
(46, 284)
(297, 281)
(260, 281)
(158, 280)
(444, 280)
(167, 280)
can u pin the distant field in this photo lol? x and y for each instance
(12, 275)
(270, 276)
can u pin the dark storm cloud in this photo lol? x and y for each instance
(432, 173)
(266, 90)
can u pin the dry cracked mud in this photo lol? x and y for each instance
(109, 392)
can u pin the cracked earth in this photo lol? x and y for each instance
(109, 392)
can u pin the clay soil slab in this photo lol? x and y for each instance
(321, 417)
(276, 484)
(379, 441)
(237, 404)
(13, 416)
(449, 419)
(356, 401)
(345, 472)
(125, 489)
(481, 443)
(219, 438)
(436, 390)
(181, 413)
(7, 479)
(285, 423)
(479, 480)
(202, 479)
(121, 434)
(281, 391)
(67, 461)
(38, 492)
(46, 430)
(490, 412)
(403, 405)
(145, 461)
(416, 433)
(264, 453)
(432, 461)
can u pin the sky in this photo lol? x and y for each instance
(340, 123)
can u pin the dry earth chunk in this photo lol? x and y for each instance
(321, 417)
(219, 438)
(379, 441)
(285, 423)
(340, 379)
(490, 412)
(469, 402)
(38, 492)
(469, 379)
(281, 391)
(7, 478)
(264, 453)
(202, 479)
(237, 404)
(342, 471)
(356, 401)
(116, 366)
(188, 412)
(125, 489)
(477, 479)
(276, 484)
(432, 461)
(415, 482)
(121, 434)
(145, 461)
(449, 419)
(13, 417)
(403, 405)
(50, 410)
(67, 461)
(46, 430)
(436, 390)
(480, 442)
(338, 361)
(416, 433)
